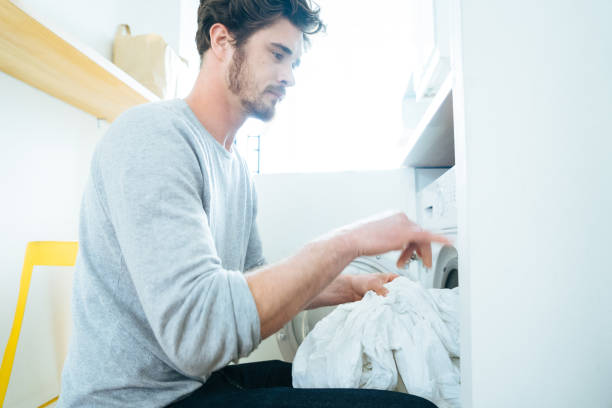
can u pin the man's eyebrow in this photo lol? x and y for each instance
(285, 49)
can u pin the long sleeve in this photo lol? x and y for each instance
(152, 185)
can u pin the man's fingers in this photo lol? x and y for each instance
(381, 291)
(390, 276)
(423, 240)
(386, 278)
(424, 252)
(405, 255)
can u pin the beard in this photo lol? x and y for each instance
(242, 85)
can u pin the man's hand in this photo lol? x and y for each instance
(351, 288)
(390, 232)
(360, 284)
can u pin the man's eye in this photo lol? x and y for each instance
(278, 56)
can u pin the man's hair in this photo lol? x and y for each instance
(244, 17)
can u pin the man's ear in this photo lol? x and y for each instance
(220, 40)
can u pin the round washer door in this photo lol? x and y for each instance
(446, 274)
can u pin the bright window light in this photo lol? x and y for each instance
(345, 111)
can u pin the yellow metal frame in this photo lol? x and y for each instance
(48, 253)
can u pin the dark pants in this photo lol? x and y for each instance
(268, 384)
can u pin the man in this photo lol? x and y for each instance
(161, 302)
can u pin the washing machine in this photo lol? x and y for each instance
(437, 212)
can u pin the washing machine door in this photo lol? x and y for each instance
(446, 273)
(293, 333)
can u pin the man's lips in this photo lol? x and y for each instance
(278, 94)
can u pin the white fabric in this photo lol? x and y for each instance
(412, 331)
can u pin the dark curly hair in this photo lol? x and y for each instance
(244, 17)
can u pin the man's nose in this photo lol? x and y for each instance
(286, 77)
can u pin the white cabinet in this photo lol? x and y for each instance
(532, 130)
(431, 49)
(427, 106)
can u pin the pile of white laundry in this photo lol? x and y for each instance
(413, 331)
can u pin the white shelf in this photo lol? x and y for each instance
(431, 143)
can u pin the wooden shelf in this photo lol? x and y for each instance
(49, 61)
(431, 144)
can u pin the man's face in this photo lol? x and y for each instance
(262, 68)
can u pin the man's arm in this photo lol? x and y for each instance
(283, 289)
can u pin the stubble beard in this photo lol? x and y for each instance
(241, 85)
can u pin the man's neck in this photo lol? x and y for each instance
(216, 110)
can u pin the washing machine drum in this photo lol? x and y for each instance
(293, 333)
(446, 274)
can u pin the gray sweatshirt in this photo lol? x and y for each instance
(167, 228)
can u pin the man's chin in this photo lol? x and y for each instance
(258, 110)
(265, 114)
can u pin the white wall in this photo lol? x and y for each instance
(46, 145)
(45, 150)
(535, 224)
(296, 208)
(94, 22)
